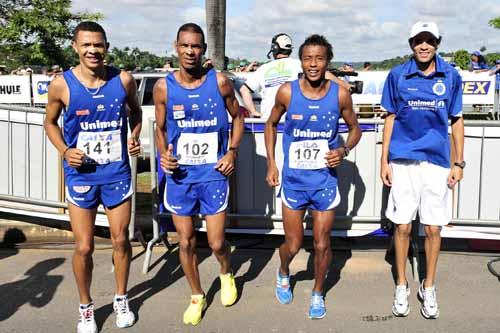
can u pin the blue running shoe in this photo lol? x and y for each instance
(283, 290)
(317, 308)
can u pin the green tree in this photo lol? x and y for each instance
(495, 23)
(35, 32)
(462, 59)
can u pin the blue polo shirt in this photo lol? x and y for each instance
(422, 105)
(497, 75)
(476, 66)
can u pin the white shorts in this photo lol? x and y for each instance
(419, 186)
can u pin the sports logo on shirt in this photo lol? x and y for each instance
(81, 189)
(439, 88)
(101, 108)
(195, 107)
(178, 107)
(84, 112)
(297, 117)
(313, 118)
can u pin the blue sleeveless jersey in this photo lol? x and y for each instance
(310, 131)
(198, 128)
(95, 121)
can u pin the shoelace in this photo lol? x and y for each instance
(317, 301)
(283, 282)
(430, 297)
(121, 305)
(401, 295)
(86, 315)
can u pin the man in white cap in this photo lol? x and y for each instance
(270, 76)
(420, 96)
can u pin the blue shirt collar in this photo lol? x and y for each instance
(412, 68)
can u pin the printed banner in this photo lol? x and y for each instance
(40, 86)
(15, 89)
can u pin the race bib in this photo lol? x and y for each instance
(100, 147)
(197, 148)
(308, 154)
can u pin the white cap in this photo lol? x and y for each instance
(419, 27)
(284, 41)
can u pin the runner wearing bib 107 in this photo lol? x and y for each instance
(192, 136)
(313, 106)
(95, 148)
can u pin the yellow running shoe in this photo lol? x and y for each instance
(228, 292)
(193, 313)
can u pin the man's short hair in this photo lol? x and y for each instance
(320, 40)
(191, 27)
(89, 26)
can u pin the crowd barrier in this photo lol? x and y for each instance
(31, 176)
(254, 207)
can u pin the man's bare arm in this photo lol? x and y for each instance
(246, 94)
(135, 116)
(282, 100)
(58, 94)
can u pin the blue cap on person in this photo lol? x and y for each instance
(420, 26)
(348, 64)
(453, 64)
(476, 53)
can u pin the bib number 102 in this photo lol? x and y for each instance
(195, 149)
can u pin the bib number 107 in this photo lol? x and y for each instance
(306, 154)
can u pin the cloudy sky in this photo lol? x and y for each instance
(358, 29)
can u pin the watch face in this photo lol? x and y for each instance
(460, 164)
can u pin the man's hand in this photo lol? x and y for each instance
(134, 146)
(456, 175)
(226, 164)
(334, 157)
(74, 157)
(167, 160)
(272, 177)
(386, 174)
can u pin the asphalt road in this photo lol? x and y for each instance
(38, 293)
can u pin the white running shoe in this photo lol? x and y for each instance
(86, 323)
(124, 317)
(430, 309)
(401, 307)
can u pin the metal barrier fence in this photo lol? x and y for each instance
(31, 177)
(254, 207)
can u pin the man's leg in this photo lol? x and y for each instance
(401, 245)
(119, 219)
(217, 240)
(432, 249)
(322, 225)
(294, 235)
(82, 225)
(187, 251)
(220, 248)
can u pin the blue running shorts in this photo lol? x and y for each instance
(91, 196)
(207, 198)
(323, 199)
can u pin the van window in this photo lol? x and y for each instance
(148, 91)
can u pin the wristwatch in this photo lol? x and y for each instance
(347, 150)
(461, 165)
(234, 150)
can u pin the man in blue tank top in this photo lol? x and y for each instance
(420, 97)
(192, 132)
(313, 106)
(95, 149)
